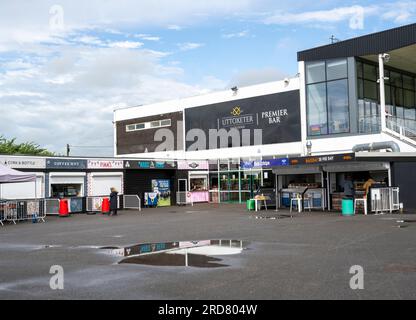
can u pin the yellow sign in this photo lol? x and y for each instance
(236, 112)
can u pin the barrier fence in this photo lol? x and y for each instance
(385, 200)
(132, 202)
(22, 210)
(184, 198)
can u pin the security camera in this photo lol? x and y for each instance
(386, 57)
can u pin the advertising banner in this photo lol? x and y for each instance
(23, 162)
(277, 115)
(105, 164)
(162, 188)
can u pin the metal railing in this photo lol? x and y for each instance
(399, 129)
(385, 200)
(22, 210)
(132, 202)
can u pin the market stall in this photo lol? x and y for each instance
(8, 176)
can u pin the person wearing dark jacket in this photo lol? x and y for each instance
(113, 202)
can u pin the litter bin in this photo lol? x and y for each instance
(251, 205)
(347, 207)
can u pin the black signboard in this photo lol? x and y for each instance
(66, 164)
(323, 159)
(278, 115)
(149, 164)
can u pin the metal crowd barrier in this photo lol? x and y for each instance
(132, 202)
(22, 210)
(184, 198)
(94, 203)
(2, 212)
(385, 200)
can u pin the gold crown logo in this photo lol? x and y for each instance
(236, 112)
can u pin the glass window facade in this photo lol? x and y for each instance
(327, 97)
(400, 90)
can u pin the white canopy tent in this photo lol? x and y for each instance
(8, 175)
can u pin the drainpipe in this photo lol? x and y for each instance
(381, 59)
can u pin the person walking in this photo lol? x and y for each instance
(113, 202)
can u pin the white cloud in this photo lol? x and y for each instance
(125, 44)
(241, 34)
(70, 98)
(174, 27)
(147, 37)
(190, 46)
(355, 16)
(400, 12)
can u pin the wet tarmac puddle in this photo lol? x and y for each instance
(198, 254)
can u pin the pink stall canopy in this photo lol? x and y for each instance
(8, 175)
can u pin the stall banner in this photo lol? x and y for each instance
(264, 164)
(193, 165)
(147, 164)
(23, 163)
(323, 159)
(66, 164)
(105, 164)
(277, 115)
(162, 188)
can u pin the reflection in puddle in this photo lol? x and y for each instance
(198, 254)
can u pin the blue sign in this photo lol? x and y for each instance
(264, 164)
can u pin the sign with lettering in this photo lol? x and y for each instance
(264, 164)
(323, 159)
(23, 162)
(105, 164)
(66, 164)
(277, 115)
(149, 164)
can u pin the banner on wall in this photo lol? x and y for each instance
(23, 163)
(147, 164)
(162, 188)
(277, 115)
(264, 164)
(105, 164)
(66, 164)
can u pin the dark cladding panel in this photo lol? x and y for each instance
(278, 115)
(142, 141)
(404, 177)
(375, 43)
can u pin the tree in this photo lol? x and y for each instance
(25, 148)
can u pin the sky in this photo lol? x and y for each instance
(66, 65)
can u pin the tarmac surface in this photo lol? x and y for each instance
(308, 256)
